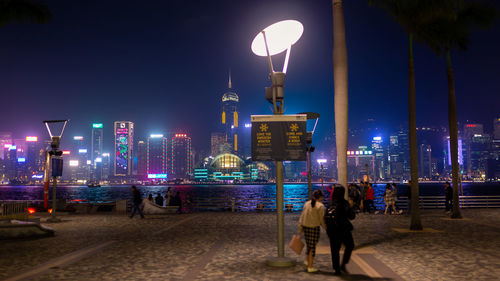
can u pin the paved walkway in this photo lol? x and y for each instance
(234, 246)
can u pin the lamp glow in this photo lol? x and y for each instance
(279, 36)
(321, 161)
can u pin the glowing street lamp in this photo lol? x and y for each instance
(321, 162)
(272, 40)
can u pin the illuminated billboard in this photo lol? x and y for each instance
(82, 150)
(124, 132)
(66, 152)
(21, 160)
(73, 163)
(77, 138)
(157, 176)
(97, 125)
(31, 138)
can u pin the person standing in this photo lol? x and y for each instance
(137, 202)
(311, 219)
(408, 194)
(339, 227)
(448, 197)
(168, 196)
(159, 199)
(370, 196)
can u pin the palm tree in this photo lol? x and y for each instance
(23, 11)
(448, 32)
(411, 14)
(341, 97)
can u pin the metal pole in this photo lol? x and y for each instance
(322, 179)
(279, 209)
(309, 187)
(46, 181)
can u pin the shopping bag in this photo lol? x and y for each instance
(296, 245)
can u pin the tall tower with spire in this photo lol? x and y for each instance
(229, 118)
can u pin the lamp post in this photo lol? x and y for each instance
(272, 40)
(56, 163)
(321, 162)
(310, 148)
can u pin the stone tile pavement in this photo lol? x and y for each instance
(234, 246)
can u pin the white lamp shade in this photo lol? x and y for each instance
(280, 36)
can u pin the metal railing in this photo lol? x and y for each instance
(295, 204)
(14, 209)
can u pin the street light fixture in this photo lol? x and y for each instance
(273, 40)
(321, 162)
(55, 159)
(310, 148)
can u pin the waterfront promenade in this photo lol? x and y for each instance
(234, 246)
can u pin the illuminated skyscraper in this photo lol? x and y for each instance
(217, 141)
(97, 137)
(229, 118)
(141, 154)
(156, 158)
(181, 160)
(5, 141)
(496, 129)
(34, 155)
(124, 142)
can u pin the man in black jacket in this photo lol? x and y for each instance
(339, 227)
(449, 196)
(137, 202)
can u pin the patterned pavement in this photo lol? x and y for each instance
(234, 246)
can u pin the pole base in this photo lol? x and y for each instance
(280, 262)
(53, 219)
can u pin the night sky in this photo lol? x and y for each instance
(164, 65)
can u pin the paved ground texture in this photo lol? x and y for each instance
(234, 246)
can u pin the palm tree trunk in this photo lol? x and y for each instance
(452, 120)
(340, 84)
(415, 223)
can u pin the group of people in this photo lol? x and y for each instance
(168, 200)
(335, 220)
(362, 197)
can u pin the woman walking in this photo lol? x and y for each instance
(339, 229)
(311, 219)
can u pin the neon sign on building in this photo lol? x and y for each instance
(124, 133)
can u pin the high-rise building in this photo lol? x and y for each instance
(496, 129)
(229, 118)
(34, 155)
(479, 153)
(97, 141)
(5, 142)
(141, 153)
(217, 141)
(182, 166)
(124, 142)
(425, 158)
(380, 159)
(156, 156)
(470, 130)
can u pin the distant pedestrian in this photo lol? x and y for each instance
(136, 202)
(159, 199)
(339, 227)
(395, 193)
(389, 199)
(448, 203)
(311, 219)
(176, 201)
(408, 194)
(363, 188)
(168, 196)
(188, 203)
(150, 198)
(370, 197)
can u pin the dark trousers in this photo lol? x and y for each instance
(337, 238)
(448, 204)
(137, 208)
(368, 205)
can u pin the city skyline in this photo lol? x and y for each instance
(103, 68)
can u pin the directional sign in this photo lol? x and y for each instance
(279, 137)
